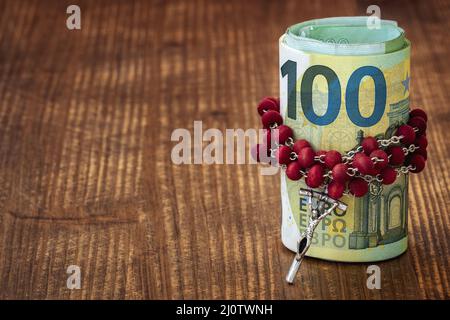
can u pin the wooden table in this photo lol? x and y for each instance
(86, 176)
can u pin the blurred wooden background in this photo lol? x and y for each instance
(85, 172)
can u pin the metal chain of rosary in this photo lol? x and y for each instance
(365, 168)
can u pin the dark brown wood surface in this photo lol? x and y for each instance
(85, 171)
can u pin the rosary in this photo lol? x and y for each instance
(364, 169)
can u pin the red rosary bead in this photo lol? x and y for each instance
(276, 100)
(306, 157)
(374, 172)
(335, 189)
(380, 154)
(283, 155)
(407, 132)
(315, 176)
(421, 142)
(332, 158)
(388, 175)
(369, 144)
(419, 123)
(284, 133)
(418, 162)
(422, 152)
(267, 104)
(270, 118)
(293, 171)
(299, 145)
(339, 173)
(418, 113)
(358, 187)
(363, 163)
(397, 156)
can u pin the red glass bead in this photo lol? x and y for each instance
(380, 154)
(315, 176)
(267, 104)
(306, 157)
(358, 187)
(421, 142)
(363, 163)
(418, 162)
(271, 117)
(335, 189)
(284, 132)
(388, 175)
(299, 145)
(397, 156)
(369, 144)
(293, 171)
(418, 113)
(407, 132)
(332, 158)
(339, 172)
(283, 155)
(419, 123)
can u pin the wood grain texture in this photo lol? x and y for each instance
(85, 172)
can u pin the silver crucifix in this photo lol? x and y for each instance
(317, 202)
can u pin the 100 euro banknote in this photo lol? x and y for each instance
(339, 82)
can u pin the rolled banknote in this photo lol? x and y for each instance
(342, 79)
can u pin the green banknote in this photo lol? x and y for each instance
(342, 79)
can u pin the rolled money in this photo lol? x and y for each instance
(342, 79)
